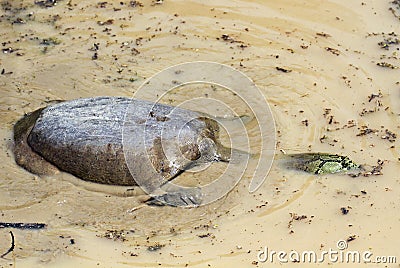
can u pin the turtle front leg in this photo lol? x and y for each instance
(187, 198)
(182, 197)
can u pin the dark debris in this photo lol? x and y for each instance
(344, 210)
(51, 41)
(387, 65)
(388, 42)
(155, 247)
(135, 4)
(373, 96)
(390, 136)
(284, 70)
(46, 3)
(323, 34)
(204, 235)
(364, 130)
(395, 9)
(334, 51)
(116, 235)
(351, 238)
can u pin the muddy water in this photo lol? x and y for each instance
(327, 93)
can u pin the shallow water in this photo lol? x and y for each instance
(327, 88)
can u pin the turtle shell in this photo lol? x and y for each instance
(91, 139)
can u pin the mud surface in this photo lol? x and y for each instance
(328, 69)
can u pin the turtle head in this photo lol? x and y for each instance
(204, 150)
(199, 142)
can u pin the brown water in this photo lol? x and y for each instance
(330, 50)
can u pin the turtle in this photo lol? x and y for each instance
(120, 141)
(84, 137)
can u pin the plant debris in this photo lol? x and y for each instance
(367, 111)
(364, 130)
(387, 65)
(329, 117)
(395, 9)
(344, 210)
(107, 22)
(373, 171)
(8, 50)
(284, 70)
(51, 41)
(102, 4)
(295, 217)
(157, 2)
(204, 235)
(390, 136)
(229, 39)
(135, 4)
(305, 122)
(373, 96)
(386, 135)
(19, 21)
(95, 48)
(3, 72)
(324, 34)
(376, 170)
(155, 247)
(351, 238)
(115, 235)
(334, 51)
(328, 140)
(387, 42)
(46, 3)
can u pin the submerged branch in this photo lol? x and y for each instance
(12, 246)
(21, 225)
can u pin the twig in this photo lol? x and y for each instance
(136, 208)
(12, 245)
